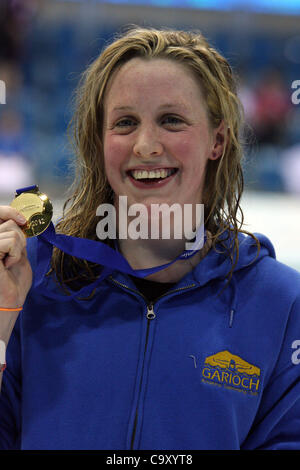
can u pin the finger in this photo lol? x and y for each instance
(15, 261)
(7, 213)
(11, 226)
(10, 229)
(10, 252)
(17, 234)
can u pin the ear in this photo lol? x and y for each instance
(219, 138)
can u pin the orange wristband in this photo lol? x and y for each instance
(17, 309)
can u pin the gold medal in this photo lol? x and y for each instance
(36, 207)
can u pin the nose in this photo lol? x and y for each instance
(147, 144)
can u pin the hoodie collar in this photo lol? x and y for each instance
(216, 264)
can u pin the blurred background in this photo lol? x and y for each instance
(45, 45)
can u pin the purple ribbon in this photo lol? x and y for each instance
(94, 251)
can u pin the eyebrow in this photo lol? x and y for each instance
(162, 106)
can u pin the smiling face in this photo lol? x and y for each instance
(157, 137)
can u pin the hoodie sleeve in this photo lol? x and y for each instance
(10, 396)
(277, 424)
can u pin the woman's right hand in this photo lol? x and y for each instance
(15, 269)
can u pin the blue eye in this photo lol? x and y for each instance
(126, 122)
(173, 120)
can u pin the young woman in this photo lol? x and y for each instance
(199, 355)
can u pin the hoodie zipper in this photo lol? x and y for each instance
(150, 315)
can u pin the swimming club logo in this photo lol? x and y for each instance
(230, 371)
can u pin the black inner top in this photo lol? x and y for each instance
(152, 289)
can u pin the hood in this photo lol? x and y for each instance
(216, 265)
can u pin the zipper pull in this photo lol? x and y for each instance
(150, 312)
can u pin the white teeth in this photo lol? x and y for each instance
(144, 174)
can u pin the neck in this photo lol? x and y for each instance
(142, 254)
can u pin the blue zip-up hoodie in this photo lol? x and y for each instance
(203, 368)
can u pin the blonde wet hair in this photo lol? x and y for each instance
(224, 183)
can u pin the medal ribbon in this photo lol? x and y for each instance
(96, 252)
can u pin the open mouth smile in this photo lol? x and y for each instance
(153, 177)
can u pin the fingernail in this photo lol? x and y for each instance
(21, 219)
